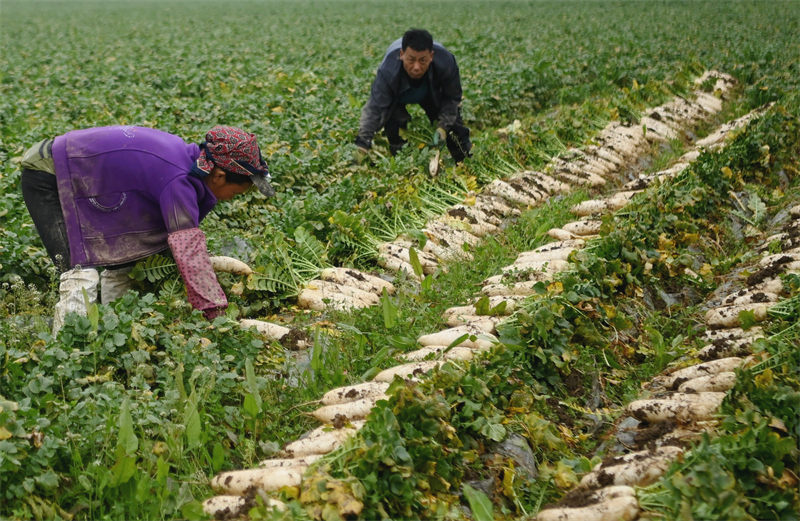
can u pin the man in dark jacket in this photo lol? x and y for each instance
(415, 70)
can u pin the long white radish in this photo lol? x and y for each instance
(552, 266)
(352, 393)
(510, 306)
(657, 131)
(722, 365)
(496, 206)
(473, 213)
(720, 382)
(478, 229)
(357, 279)
(267, 329)
(448, 336)
(390, 262)
(561, 235)
(313, 299)
(233, 507)
(483, 323)
(509, 193)
(321, 440)
(788, 256)
(680, 407)
(327, 287)
(230, 265)
(520, 288)
(237, 482)
(406, 371)
(541, 182)
(735, 333)
(456, 353)
(426, 260)
(753, 297)
(581, 228)
(641, 470)
(568, 244)
(726, 349)
(728, 316)
(577, 177)
(534, 256)
(288, 462)
(357, 410)
(624, 508)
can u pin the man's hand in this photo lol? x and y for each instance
(360, 155)
(439, 136)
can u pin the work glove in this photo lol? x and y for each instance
(360, 155)
(439, 137)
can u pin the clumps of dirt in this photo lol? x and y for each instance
(460, 213)
(773, 269)
(575, 499)
(295, 340)
(563, 417)
(647, 436)
(677, 383)
(605, 478)
(357, 275)
(574, 384)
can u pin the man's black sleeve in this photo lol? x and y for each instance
(451, 97)
(374, 111)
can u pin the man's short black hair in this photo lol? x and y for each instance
(418, 39)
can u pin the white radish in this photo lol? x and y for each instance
(551, 266)
(707, 368)
(509, 193)
(735, 333)
(541, 182)
(793, 254)
(426, 260)
(448, 236)
(357, 410)
(238, 482)
(680, 407)
(624, 508)
(327, 288)
(352, 393)
(230, 265)
(321, 440)
(357, 279)
(728, 316)
(473, 214)
(478, 229)
(484, 323)
(495, 205)
(267, 329)
(754, 297)
(510, 302)
(534, 256)
(313, 299)
(580, 228)
(520, 288)
(289, 462)
(582, 179)
(456, 353)
(406, 371)
(561, 235)
(643, 469)
(720, 382)
(569, 244)
(448, 336)
(232, 507)
(393, 263)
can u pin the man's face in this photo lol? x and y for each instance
(416, 63)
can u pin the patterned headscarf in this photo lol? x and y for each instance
(236, 151)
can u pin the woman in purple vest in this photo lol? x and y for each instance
(111, 196)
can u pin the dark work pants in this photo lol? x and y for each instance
(40, 192)
(459, 147)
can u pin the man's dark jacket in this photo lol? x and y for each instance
(444, 86)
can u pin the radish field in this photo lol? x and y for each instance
(658, 233)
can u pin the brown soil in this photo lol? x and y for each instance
(647, 436)
(574, 384)
(576, 499)
(561, 412)
(356, 275)
(295, 340)
(460, 213)
(773, 269)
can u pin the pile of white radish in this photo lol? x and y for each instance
(343, 288)
(450, 236)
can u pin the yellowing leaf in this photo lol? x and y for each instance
(727, 171)
(277, 110)
(4, 433)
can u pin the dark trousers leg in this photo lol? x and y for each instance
(399, 119)
(458, 142)
(40, 193)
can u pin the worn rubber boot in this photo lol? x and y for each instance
(70, 294)
(114, 284)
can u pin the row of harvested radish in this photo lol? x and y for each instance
(344, 410)
(691, 397)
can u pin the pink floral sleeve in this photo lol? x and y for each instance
(191, 255)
